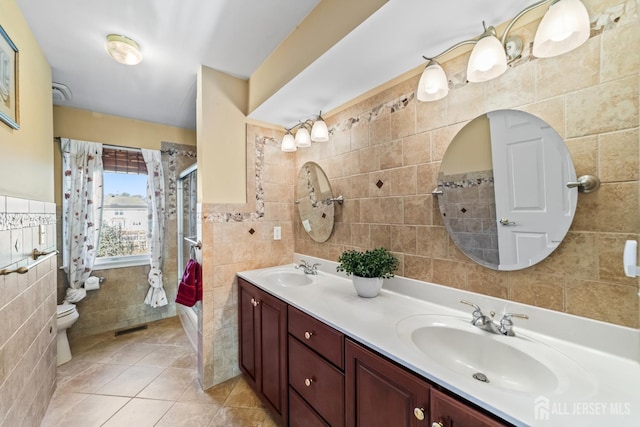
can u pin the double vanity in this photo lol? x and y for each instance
(319, 355)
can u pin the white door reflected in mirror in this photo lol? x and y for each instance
(505, 202)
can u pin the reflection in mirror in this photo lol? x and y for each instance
(504, 201)
(315, 202)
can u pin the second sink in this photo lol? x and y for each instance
(510, 363)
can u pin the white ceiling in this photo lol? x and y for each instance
(236, 36)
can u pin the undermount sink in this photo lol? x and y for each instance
(510, 363)
(288, 276)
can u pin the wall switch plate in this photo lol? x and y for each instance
(277, 233)
(42, 232)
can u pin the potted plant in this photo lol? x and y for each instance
(369, 269)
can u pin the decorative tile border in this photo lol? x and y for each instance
(15, 221)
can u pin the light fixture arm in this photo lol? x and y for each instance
(524, 11)
(452, 48)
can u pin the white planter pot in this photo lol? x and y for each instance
(367, 287)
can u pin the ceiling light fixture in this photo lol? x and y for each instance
(564, 27)
(319, 133)
(123, 49)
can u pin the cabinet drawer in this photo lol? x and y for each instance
(317, 381)
(322, 338)
(301, 414)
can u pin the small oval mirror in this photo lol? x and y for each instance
(505, 200)
(315, 202)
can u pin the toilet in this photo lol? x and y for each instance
(67, 316)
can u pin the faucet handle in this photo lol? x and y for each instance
(506, 324)
(476, 308)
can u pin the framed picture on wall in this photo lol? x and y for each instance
(8, 81)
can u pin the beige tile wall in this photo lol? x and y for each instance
(590, 96)
(27, 313)
(240, 237)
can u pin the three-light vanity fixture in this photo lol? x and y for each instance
(308, 131)
(564, 27)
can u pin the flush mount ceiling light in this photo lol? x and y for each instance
(564, 27)
(123, 49)
(319, 133)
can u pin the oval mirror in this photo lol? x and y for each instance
(315, 202)
(505, 200)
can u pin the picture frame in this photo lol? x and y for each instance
(9, 97)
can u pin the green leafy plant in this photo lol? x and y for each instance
(377, 262)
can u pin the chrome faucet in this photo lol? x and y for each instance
(308, 268)
(486, 323)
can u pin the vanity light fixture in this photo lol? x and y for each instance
(433, 84)
(288, 143)
(488, 59)
(303, 139)
(319, 131)
(123, 49)
(564, 27)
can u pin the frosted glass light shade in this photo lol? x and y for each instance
(433, 84)
(123, 49)
(488, 60)
(563, 28)
(288, 143)
(319, 131)
(303, 139)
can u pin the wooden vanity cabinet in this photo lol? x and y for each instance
(380, 393)
(308, 374)
(262, 336)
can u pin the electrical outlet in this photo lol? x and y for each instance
(277, 233)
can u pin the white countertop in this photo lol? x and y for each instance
(609, 355)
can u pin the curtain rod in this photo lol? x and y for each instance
(123, 148)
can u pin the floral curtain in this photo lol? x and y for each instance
(81, 211)
(156, 297)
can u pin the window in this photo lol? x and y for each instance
(123, 235)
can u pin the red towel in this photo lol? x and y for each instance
(190, 288)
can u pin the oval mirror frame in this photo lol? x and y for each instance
(505, 201)
(314, 200)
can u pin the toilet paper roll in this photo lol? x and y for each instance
(92, 283)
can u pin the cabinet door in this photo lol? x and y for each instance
(449, 412)
(262, 338)
(380, 393)
(273, 351)
(248, 337)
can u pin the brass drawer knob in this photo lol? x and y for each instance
(254, 302)
(308, 382)
(437, 424)
(419, 413)
(308, 335)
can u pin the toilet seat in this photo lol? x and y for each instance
(65, 310)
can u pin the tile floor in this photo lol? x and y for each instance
(146, 378)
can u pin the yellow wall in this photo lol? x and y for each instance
(221, 129)
(26, 159)
(113, 130)
(472, 149)
(325, 26)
